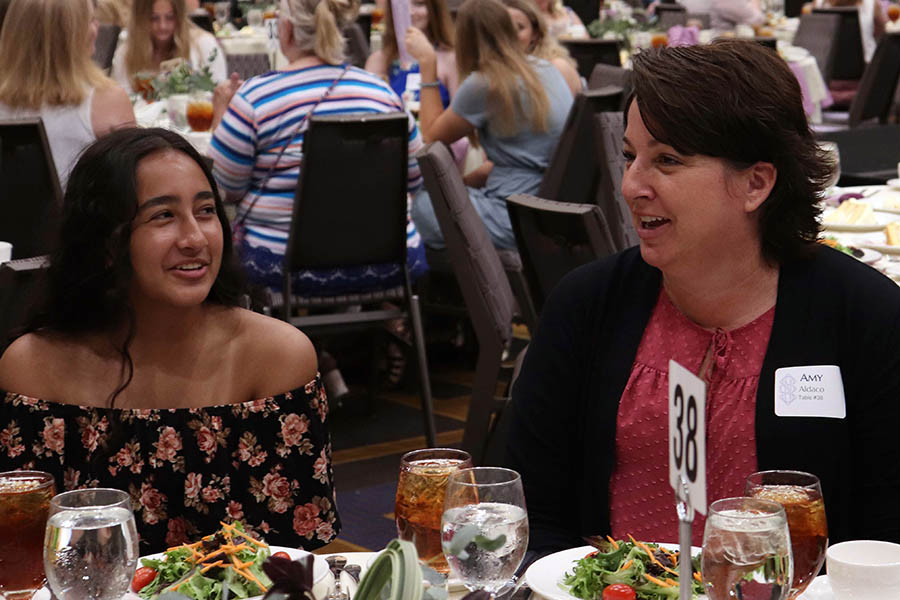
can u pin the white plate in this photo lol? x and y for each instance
(886, 200)
(881, 219)
(893, 183)
(320, 572)
(545, 575)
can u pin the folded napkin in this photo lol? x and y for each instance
(680, 35)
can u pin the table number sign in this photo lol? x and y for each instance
(687, 459)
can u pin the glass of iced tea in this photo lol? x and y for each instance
(801, 495)
(199, 111)
(24, 505)
(420, 500)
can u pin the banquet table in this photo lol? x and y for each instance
(815, 93)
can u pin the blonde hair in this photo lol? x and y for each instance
(439, 30)
(317, 26)
(139, 54)
(110, 12)
(486, 42)
(543, 45)
(46, 54)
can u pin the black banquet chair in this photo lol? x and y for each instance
(105, 46)
(30, 202)
(555, 237)
(590, 52)
(350, 210)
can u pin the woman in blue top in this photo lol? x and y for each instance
(517, 104)
(432, 18)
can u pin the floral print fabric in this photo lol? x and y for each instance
(264, 462)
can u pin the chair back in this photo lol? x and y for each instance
(704, 18)
(609, 129)
(30, 194)
(105, 45)
(793, 8)
(356, 45)
(350, 201)
(818, 33)
(555, 237)
(610, 75)
(875, 95)
(248, 65)
(482, 280)
(572, 175)
(590, 52)
(670, 15)
(203, 21)
(849, 61)
(869, 155)
(587, 10)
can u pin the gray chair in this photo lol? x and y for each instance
(669, 15)
(849, 62)
(248, 65)
(341, 221)
(356, 45)
(554, 238)
(604, 76)
(609, 128)
(590, 52)
(878, 85)
(572, 175)
(105, 46)
(483, 283)
(818, 33)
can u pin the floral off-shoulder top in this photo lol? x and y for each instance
(264, 462)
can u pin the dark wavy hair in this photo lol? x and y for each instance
(90, 271)
(738, 100)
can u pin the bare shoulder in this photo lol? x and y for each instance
(375, 63)
(30, 362)
(281, 355)
(110, 109)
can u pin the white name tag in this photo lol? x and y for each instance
(811, 391)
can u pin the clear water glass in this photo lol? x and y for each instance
(747, 550)
(484, 528)
(91, 545)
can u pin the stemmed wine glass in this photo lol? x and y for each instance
(832, 154)
(746, 550)
(484, 528)
(801, 496)
(91, 544)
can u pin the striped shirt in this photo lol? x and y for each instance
(262, 116)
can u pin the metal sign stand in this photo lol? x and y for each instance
(685, 524)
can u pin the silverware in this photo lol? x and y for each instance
(354, 572)
(337, 565)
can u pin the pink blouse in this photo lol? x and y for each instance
(642, 502)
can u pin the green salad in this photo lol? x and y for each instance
(650, 570)
(201, 570)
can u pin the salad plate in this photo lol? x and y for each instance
(545, 575)
(321, 582)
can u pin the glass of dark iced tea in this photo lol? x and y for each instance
(801, 495)
(420, 500)
(24, 505)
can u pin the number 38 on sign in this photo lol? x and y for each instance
(687, 434)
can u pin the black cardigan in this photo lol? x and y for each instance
(831, 310)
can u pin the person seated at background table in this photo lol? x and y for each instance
(159, 30)
(562, 21)
(48, 73)
(725, 14)
(140, 372)
(728, 281)
(432, 18)
(516, 103)
(531, 29)
(268, 113)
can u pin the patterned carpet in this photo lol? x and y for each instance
(368, 444)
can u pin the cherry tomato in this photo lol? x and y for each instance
(619, 591)
(282, 555)
(142, 577)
